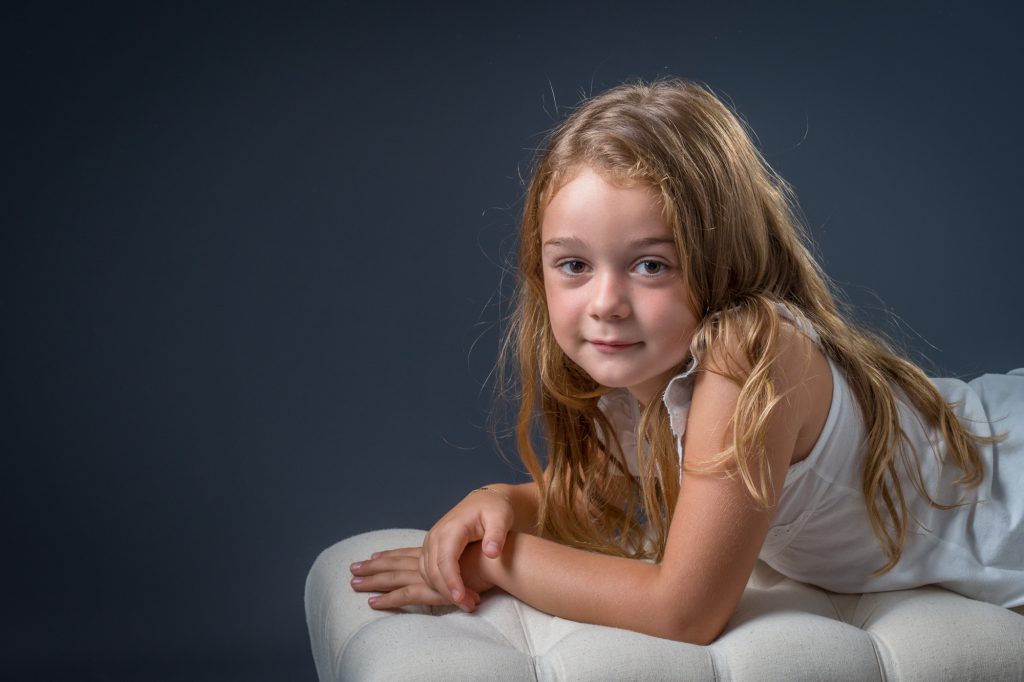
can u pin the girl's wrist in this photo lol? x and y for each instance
(491, 490)
(478, 570)
(492, 570)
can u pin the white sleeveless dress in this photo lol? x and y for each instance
(820, 533)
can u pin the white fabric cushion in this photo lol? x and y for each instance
(782, 630)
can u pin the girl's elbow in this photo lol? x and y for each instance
(706, 634)
(694, 632)
(694, 625)
(688, 615)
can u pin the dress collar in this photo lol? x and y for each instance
(677, 397)
(623, 411)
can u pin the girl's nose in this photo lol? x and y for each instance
(610, 299)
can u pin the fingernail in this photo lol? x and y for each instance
(373, 601)
(493, 547)
(375, 555)
(357, 581)
(456, 595)
(356, 566)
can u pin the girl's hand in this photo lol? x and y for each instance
(396, 574)
(485, 515)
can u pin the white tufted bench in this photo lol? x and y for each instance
(782, 630)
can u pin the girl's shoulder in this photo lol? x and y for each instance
(799, 372)
(797, 346)
(805, 372)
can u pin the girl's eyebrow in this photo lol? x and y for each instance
(575, 242)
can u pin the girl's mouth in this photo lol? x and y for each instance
(610, 346)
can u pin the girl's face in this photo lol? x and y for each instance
(614, 287)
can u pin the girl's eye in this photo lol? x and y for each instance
(651, 267)
(572, 267)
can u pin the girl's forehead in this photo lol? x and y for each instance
(589, 201)
(615, 177)
(590, 190)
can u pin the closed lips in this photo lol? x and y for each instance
(614, 345)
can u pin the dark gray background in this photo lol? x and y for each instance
(251, 252)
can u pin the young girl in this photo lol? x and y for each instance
(705, 404)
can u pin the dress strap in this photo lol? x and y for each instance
(801, 322)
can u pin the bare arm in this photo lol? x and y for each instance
(714, 538)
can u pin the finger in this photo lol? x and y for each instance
(444, 571)
(408, 583)
(451, 576)
(496, 527)
(386, 554)
(420, 593)
(425, 561)
(386, 582)
(471, 601)
(401, 551)
(384, 563)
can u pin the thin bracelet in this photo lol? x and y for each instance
(492, 490)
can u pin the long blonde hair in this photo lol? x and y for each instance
(743, 251)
